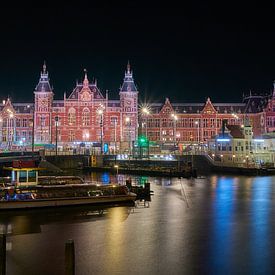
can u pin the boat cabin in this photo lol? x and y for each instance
(23, 173)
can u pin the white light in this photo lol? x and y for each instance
(259, 140)
(223, 139)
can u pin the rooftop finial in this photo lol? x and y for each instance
(128, 67)
(44, 67)
(86, 81)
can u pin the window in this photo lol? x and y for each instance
(72, 135)
(86, 117)
(114, 121)
(72, 116)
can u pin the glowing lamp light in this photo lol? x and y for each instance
(259, 140)
(223, 139)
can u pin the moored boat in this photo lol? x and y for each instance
(63, 195)
(28, 190)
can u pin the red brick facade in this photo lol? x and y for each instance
(87, 116)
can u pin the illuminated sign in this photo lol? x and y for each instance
(105, 148)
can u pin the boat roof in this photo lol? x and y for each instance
(24, 168)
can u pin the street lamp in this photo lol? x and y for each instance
(115, 124)
(146, 112)
(198, 134)
(56, 124)
(32, 112)
(10, 130)
(127, 120)
(100, 112)
(175, 118)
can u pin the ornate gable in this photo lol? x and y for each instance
(208, 108)
(167, 107)
(8, 108)
(85, 93)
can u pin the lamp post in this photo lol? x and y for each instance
(10, 130)
(198, 132)
(146, 112)
(100, 112)
(115, 124)
(175, 118)
(32, 141)
(127, 120)
(56, 124)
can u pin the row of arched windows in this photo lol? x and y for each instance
(85, 117)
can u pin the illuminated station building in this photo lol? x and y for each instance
(88, 118)
(85, 118)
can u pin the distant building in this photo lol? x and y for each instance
(195, 123)
(88, 118)
(235, 145)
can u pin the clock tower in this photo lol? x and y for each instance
(43, 108)
(129, 108)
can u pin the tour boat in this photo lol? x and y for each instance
(28, 190)
(36, 196)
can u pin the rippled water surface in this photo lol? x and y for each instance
(212, 225)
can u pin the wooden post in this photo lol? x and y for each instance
(2, 254)
(69, 258)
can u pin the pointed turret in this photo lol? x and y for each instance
(128, 83)
(44, 81)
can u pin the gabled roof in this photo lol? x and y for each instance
(91, 87)
(235, 131)
(255, 103)
(128, 82)
(197, 108)
(44, 82)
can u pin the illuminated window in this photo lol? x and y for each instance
(72, 116)
(72, 136)
(86, 117)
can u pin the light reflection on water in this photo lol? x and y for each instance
(228, 229)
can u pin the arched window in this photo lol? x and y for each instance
(86, 117)
(72, 116)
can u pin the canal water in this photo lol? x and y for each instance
(211, 225)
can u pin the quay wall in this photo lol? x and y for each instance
(69, 162)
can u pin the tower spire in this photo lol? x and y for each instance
(85, 81)
(44, 67)
(128, 67)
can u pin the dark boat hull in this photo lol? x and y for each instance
(61, 202)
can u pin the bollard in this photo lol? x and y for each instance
(2, 254)
(69, 258)
(147, 187)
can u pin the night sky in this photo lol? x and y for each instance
(185, 53)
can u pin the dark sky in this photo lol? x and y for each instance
(185, 53)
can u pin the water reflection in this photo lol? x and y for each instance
(260, 233)
(30, 221)
(228, 229)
